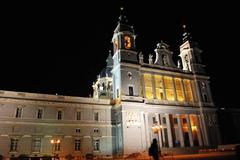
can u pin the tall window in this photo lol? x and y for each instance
(77, 144)
(39, 113)
(130, 88)
(96, 145)
(36, 145)
(18, 112)
(118, 93)
(59, 115)
(159, 87)
(168, 83)
(179, 89)
(154, 120)
(79, 115)
(148, 86)
(188, 90)
(13, 144)
(57, 146)
(96, 116)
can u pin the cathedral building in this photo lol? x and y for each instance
(135, 100)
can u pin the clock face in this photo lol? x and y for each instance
(127, 42)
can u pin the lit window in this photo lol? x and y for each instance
(130, 88)
(127, 42)
(168, 83)
(79, 115)
(39, 113)
(164, 120)
(148, 86)
(77, 144)
(159, 88)
(188, 91)
(59, 115)
(13, 145)
(154, 120)
(18, 112)
(96, 145)
(96, 116)
(36, 145)
(57, 146)
(179, 89)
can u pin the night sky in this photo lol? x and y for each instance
(62, 47)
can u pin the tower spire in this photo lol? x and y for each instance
(186, 34)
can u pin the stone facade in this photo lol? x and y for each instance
(133, 102)
(30, 121)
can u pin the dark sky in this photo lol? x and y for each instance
(61, 47)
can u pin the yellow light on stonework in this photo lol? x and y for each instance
(179, 89)
(158, 87)
(148, 86)
(194, 127)
(55, 141)
(168, 83)
(188, 91)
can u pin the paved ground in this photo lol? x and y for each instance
(209, 156)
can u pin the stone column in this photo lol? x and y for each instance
(153, 87)
(124, 127)
(163, 88)
(183, 90)
(170, 142)
(193, 86)
(201, 130)
(159, 132)
(189, 130)
(199, 135)
(162, 131)
(205, 132)
(144, 140)
(174, 89)
(180, 130)
(147, 130)
(143, 86)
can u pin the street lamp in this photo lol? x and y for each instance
(55, 143)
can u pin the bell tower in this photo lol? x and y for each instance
(191, 55)
(124, 41)
(125, 78)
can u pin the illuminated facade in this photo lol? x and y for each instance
(133, 102)
(157, 99)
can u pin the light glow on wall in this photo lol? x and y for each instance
(148, 86)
